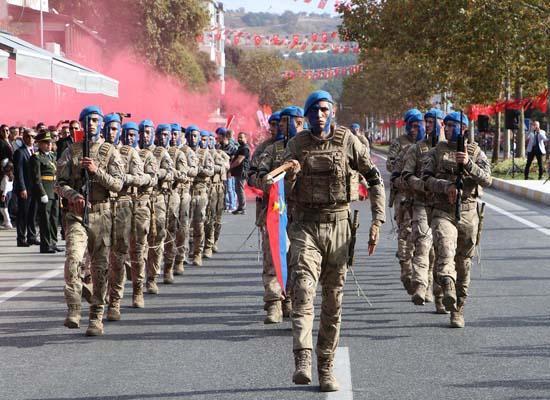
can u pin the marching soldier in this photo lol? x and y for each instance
(423, 258)
(199, 191)
(216, 202)
(398, 196)
(165, 175)
(123, 209)
(141, 201)
(323, 159)
(179, 160)
(455, 226)
(43, 172)
(106, 174)
(182, 235)
(276, 304)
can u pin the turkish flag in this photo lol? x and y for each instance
(324, 37)
(322, 4)
(257, 40)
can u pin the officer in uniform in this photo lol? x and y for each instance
(216, 202)
(455, 240)
(106, 174)
(182, 235)
(423, 259)
(291, 121)
(398, 196)
(179, 160)
(320, 234)
(123, 208)
(199, 190)
(165, 175)
(43, 171)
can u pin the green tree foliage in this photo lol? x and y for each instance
(467, 47)
(163, 32)
(261, 73)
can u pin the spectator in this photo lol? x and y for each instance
(15, 135)
(230, 150)
(6, 186)
(63, 143)
(26, 204)
(6, 149)
(239, 169)
(535, 148)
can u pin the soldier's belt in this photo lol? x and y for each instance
(450, 208)
(312, 216)
(100, 206)
(48, 178)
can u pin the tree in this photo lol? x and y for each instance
(261, 73)
(158, 31)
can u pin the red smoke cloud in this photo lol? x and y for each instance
(142, 91)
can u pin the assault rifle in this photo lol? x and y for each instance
(85, 190)
(460, 148)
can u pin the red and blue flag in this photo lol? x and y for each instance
(276, 228)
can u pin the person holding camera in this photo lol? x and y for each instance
(535, 148)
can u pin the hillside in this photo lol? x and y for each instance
(284, 24)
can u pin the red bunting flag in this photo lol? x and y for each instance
(322, 4)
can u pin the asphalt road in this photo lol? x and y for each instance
(203, 337)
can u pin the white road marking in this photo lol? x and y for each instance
(342, 372)
(30, 284)
(504, 212)
(519, 219)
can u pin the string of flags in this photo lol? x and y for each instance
(322, 41)
(323, 73)
(539, 102)
(323, 3)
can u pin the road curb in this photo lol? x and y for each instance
(531, 194)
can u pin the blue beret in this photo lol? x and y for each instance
(176, 127)
(113, 117)
(90, 110)
(145, 123)
(316, 97)
(434, 113)
(191, 128)
(130, 125)
(413, 113)
(205, 133)
(276, 116)
(221, 131)
(163, 127)
(292, 111)
(455, 117)
(355, 125)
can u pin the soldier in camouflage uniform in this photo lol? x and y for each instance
(320, 234)
(159, 199)
(455, 240)
(423, 259)
(124, 212)
(216, 201)
(398, 197)
(141, 222)
(106, 174)
(199, 190)
(276, 304)
(182, 235)
(179, 160)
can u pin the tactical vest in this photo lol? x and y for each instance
(326, 178)
(201, 156)
(447, 169)
(404, 143)
(225, 158)
(216, 178)
(278, 152)
(158, 152)
(144, 154)
(423, 149)
(101, 153)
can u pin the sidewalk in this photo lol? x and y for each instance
(533, 190)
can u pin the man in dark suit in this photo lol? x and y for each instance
(63, 143)
(22, 185)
